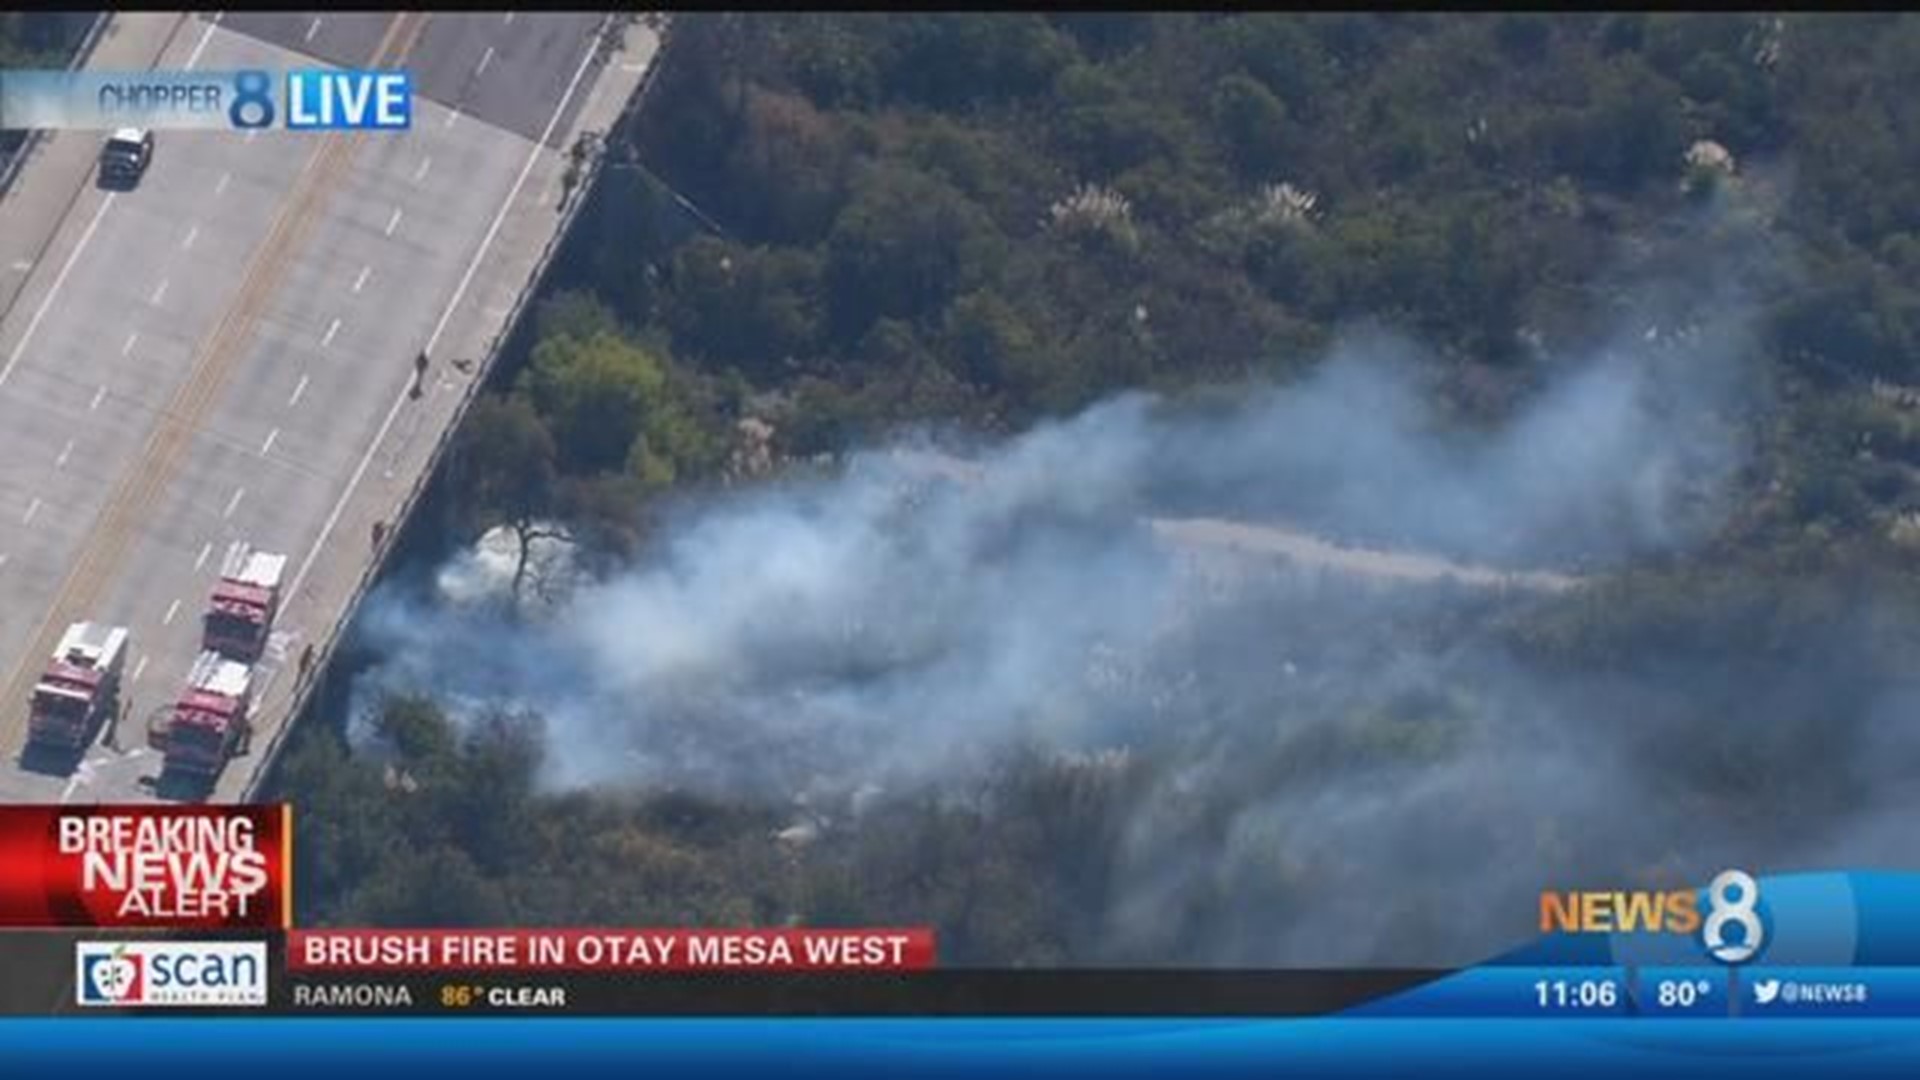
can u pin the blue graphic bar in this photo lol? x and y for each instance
(1512, 992)
(105, 100)
(1885, 992)
(1697, 992)
(315, 99)
(479, 1048)
(319, 100)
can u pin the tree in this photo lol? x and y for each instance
(787, 176)
(605, 513)
(490, 797)
(418, 731)
(1523, 36)
(1108, 33)
(1631, 131)
(439, 887)
(505, 459)
(1107, 138)
(837, 62)
(987, 342)
(754, 308)
(1254, 124)
(1279, 51)
(905, 244)
(594, 394)
(576, 313)
(952, 61)
(629, 227)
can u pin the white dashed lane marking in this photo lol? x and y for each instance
(319, 542)
(59, 279)
(201, 45)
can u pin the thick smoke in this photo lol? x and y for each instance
(1349, 764)
(1620, 456)
(915, 610)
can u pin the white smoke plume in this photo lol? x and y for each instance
(1356, 768)
(912, 610)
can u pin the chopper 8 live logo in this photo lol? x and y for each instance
(145, 866)
(1732, 929)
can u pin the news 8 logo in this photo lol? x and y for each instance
(319, 99)
(1733, 900)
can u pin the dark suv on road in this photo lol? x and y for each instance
(125, 157)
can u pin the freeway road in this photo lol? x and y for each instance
(225, 354)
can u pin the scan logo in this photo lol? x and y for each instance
(129, 974)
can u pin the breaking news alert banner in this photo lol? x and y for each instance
(163, 867)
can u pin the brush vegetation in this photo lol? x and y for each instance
(988, 220)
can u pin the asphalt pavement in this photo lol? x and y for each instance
(225, 353)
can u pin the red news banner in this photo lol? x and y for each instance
(230, 868)
(197, 867)
(674, 950)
